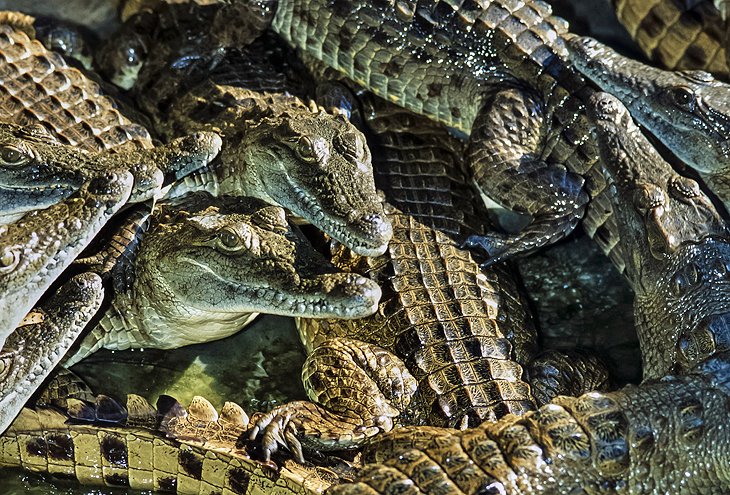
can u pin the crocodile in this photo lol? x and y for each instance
(665, 102)
(37, 170)
(277, 146)
(55, 326)
(41, 245)
(448, 340)
(663, 233)
(496, 70)
(35, 251)
(52, 105)
(677, 35)
(170, 449)
(204, 267)
(665, 436)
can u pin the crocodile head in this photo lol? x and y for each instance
(35, 250)
(319, 167)
(666, 209)
(209, 262)
(36, 170)
(688, 111)
(677, 253)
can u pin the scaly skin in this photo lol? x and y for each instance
(665, 102)
(33, 350)
(193, 452)
(56, 104)
(497, 70)
(37, 170)
(37, 248)
(35, 251)
(215, 264)
(668, 436)
(276, 147)
(677, 35)
(36, 80)
(663, 233)
(446, 344)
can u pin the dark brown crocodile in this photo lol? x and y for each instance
(497, 70)
(666, 436)
(677, 34)
(446, 344)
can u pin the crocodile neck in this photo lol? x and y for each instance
(140, 318)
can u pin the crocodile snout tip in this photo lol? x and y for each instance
(377, 229)
(605, 106)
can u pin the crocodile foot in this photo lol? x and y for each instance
(303, 425)
(279, 428)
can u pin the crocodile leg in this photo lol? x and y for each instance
(573, 373)
(64, 316)
(359, 390)
(507, 157)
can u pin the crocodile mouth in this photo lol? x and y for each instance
(366, 235)
(330, 294)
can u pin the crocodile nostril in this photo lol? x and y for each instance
(379, 226)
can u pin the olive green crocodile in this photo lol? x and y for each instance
(499, 71)
(204, 267)
(677, 35)
(663, 233)
(446, 344)
(667, 436)
(34, 252)
(37, 170)
(190, 452)
(37, 248)
(666, 102)
(277, 147)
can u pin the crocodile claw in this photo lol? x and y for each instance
(278, 428)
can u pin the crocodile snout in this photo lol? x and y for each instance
(376, 228)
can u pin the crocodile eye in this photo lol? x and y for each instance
(693, 274)
(305, 149)
(9, 259)
(11, 155)
(683, 97)
(229, 238)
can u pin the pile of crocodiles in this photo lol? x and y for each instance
(339, 161)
